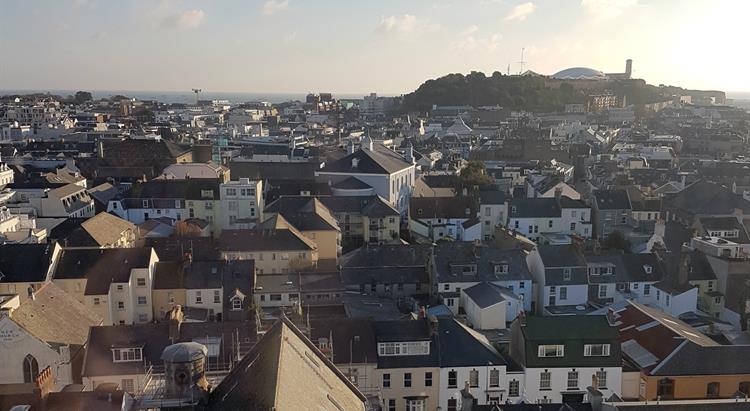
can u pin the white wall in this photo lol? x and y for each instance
(559, 382)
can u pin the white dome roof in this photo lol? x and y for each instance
(579, 73)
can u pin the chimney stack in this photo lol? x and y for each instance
(628, 68)
(684, 269)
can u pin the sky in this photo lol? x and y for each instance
(356, 46)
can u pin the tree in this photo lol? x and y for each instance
(616, 240)
(474, 175)
(82, 97)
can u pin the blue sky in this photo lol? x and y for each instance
(353, 46)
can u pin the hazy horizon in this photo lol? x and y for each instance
(390, 47)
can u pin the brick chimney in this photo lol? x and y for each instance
(175, 317)
(45, 382)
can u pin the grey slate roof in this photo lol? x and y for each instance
(379, 161)
(448, 255)
(485, 294)
(706, 198)
(24, 262)
(101, 267)
(616, 199)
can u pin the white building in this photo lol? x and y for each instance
(241, 203)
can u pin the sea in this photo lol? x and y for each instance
(187, 97)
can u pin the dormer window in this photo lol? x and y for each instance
(127, 354)
(501, 268)
(648, 269)
(566, 274)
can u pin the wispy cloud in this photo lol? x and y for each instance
(607, 9)
(469, 40)
(405, 23)
(275, 6)
(185, 20)
(521, 12)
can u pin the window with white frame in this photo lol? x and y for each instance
(415, 405)
(566, 274)
(217, 296)
(127, 354)
(140, 282)
(404, 348)
(198, 297)
(602, 291)
(473, 378)
(236, 304)
(601, 378)
(563, 293)
(545, 380)
(596, 350)
(551, 350)
(572, 379)
(142, 300)
(494, 378)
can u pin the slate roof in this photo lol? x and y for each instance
(542, 207)
(485, 294)
(154, 338)
(388, 255)
(628, 268)
(294, 171)
(103, 230)
(24, 262)
(379, 161)
(449, 255)
(275, 365)
(168, 275)
(56, 317)
(304, 213)
(351, 183)
(616, 199)
(353, 339)
(264, 240)
(190, 189)
(101, 267)
(442, 207)
(704, 198)
(726, 224)
(492, 197)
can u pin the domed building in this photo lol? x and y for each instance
(579, 73)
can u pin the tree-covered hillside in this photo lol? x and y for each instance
(476, 89)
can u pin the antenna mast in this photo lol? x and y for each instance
(521, 63)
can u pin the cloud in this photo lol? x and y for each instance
(521, 11)
(607, 9)
(469, 41)
(99, 36)
(275, 6)
(188, 19)
(405, 23)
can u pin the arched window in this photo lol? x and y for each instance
(30, 369)
(712, 390)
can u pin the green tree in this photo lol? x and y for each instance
(473, 176)
(617, 241)
(82, 97)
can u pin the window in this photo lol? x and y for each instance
(142, 318)
(407, 379)
(452, 404)
(96, 300)
(549, 224)
(119, 287)
(474, 378)
(127, 385)
(566, 274)
(231, 191)
(217, 296)
(415, 405)
(601, 377)
(545, 380)
(514, 388)
(602, 291)
(596, 350)
(494, 378)
(487, 211)
(30, 369)
(745, 388)
(404, 348)
(386, 380)
(275, 297)
(142, 300)
(646, 289)
(665, 389)
(140, 282)
(572, 379)
(563, 293)
(236, 304)
(572, 226)
(127, 354)
(712, 390)
(391, 405)
(120, 305)
(551, 350)
(198, 297)
(428, 379)
(667, 295)
(452, 379)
